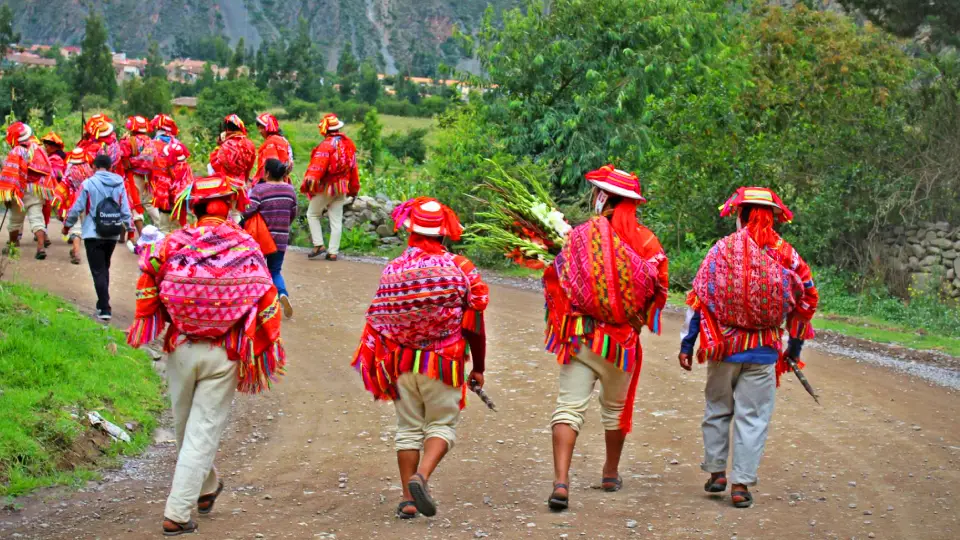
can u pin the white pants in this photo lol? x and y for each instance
(201, 382)
(744, 394)
(577, 380)
(334, 209)
(31, 216)
(428, 408)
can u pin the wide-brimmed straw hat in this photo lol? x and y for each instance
(616, 182)
(757, 196)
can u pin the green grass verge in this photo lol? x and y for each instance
(55, 365)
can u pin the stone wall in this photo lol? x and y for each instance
(929, 252)
(372, 214)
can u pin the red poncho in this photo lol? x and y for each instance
(210, 283)
(26, 168)
(69, 187)
(234, 158)
(333, 168)
(274, 147)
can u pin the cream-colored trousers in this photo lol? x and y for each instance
(427, 408)
(577, 380)
(201, 382)
(334, 208)
(31, 215)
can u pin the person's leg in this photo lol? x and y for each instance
(97, 261)
(614, 389)
(108, 248)
(181, 383)
(717, 414)
(442, 414)
(753, 399)
(411, 414)
(216, 381)
(33, 208)
(275, 265)
(576, 386)
(335, 211)
(314, 212)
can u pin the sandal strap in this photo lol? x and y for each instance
(561, 486)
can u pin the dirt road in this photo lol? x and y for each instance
(314, 458)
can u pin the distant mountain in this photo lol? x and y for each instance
(397, 34)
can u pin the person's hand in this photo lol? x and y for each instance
(476, 378)
(65, 230)
(686, 362)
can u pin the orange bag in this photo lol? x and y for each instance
(256, 227)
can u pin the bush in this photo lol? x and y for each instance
(407, 146)
(240, 97)
(146, 98)
(298, 109)
(95, 102)
(25, 89)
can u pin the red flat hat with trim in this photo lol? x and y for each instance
(166, 123)
(78, 156)
(269, 123)
(52, 138)
(427, 216)
(330, 122)
(757, 196)
(137, 124)
(18, 132)
(616, 182)
(237, 121)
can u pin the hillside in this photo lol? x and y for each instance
(396, 33)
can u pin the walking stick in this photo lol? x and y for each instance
(792, 362)
(483, 396)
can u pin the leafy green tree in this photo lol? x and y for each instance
(407, 146)
(94, 66)
(225, 97)
(23, 90)
(237, 60)
(906, 17)
(347, 71)
(369, 90)
(146, 97)
(370, 141)
(573, 83)
(7, 35)
(207, 78)
(155, 65)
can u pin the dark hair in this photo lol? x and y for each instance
(230, 126)
(102, 161)
(275, 168)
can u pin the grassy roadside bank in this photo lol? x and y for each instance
(55, 366)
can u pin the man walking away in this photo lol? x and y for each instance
(104, 199)
(209, 285)
(749, 285)
(331, 176)
(276, 201)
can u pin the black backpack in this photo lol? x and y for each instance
(108, 218)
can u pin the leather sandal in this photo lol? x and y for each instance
(205, 502)
(404, 505)
(612, 485)
(172, 528)
(716, 484)
(558, 502)
(421, 495)
(741, 499)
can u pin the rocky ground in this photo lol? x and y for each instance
(314, 458)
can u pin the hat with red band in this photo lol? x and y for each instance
(236, 121)
(757, 196)
(427, 216)
(269, 123)
(137, 124)
(616, 182)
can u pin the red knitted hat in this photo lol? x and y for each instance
(269, 123)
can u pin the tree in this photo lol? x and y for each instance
(24, 89)
(7, 35)
(155, 65)
(369, 89)
(207, 78)
(94, 65)
(347, 69)
(906, 17)
(407, 89)
(371, 141)
(146, 97)
(306, 64)
(237, 60)
(227, 97)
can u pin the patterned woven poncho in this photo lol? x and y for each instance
(26, 169)
(745, 293)
(600, 291)
(235, 158)
(416, 321)
(211, 283)
(69, 187)
(332, 169)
